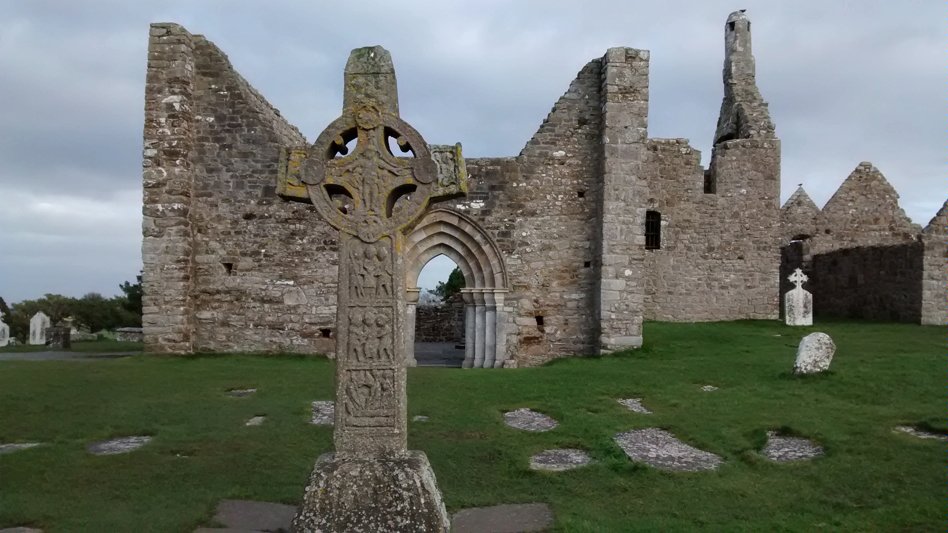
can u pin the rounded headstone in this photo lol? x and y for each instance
(814, 354)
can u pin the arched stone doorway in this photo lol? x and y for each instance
(449, 233)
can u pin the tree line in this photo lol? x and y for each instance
(93, 311)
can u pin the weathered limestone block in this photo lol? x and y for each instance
(814, 354)
(39, 325)
(4, 334)
(798, 302)
(367, 494)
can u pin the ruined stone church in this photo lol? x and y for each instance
(565, 249)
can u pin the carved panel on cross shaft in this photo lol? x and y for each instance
(370, 335)
(369, 397)
(370, 270)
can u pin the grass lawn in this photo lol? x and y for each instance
(85, 346)
(871, 478)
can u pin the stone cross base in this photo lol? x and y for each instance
(372, 494)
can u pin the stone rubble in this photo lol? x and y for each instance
(324, 413)
(255, 421)
(529, 420)
(814, 354)
(921, 434)
(660, 449)
(15, 447)
(119, 445)
(559, 460)
(635, 405)
(783, 449)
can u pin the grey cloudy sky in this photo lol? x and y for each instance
(847, 81)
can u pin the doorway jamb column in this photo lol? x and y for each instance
(411, 307)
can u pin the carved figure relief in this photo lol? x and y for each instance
(370, 397)
(371, 274)
(370, 336)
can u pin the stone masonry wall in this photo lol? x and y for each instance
(265, 268)
(621, 290)
(540, 209)
(719, 256)
(868, 282)
(935, 270)
(166, 179)
(439, 323)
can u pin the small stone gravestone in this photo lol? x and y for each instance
(814, 354)
(60, 336)
(4, 334)
(39, 325)
(373, 482)
(798, 302)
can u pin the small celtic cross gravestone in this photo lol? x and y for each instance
(798, 302)
(360, 187)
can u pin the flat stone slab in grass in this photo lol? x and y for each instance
(503, 519)
(708, 388)
(246, 515)
(660, 449)
(785, 449)
(21, 530)
(634, 405)
(529, 420)
(15, 447)
(559, 459)
(241, 393)
(116, 446)
(921, 434)
(324, 411)
(255, 421)
(419, 418)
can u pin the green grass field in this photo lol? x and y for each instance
(871, 478)
(102, 346)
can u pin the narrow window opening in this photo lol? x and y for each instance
(710, 182)
(229, 268)
(827, 231)
(581, 194)
(325, 333)
(587, 264)
(748, 25)
(539, 319)
(730, 26)
(653, 230)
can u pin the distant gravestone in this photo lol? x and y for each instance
(39, 325)
(798, 302)
(372, 482)
(4, 334)
(60, 336)
(814, 354)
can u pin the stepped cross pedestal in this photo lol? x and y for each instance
(372, 482)
(798, 302)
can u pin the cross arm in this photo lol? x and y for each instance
(452, 174)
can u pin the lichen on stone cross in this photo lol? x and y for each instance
(370, 195)
(798, 278)
(360, 187)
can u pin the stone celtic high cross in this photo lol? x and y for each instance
(361, 187)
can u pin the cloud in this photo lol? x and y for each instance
(846, 81)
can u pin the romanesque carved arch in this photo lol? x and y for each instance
(449, 233)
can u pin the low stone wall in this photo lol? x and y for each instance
(129, 334)
(870, 282)
(439, 323)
